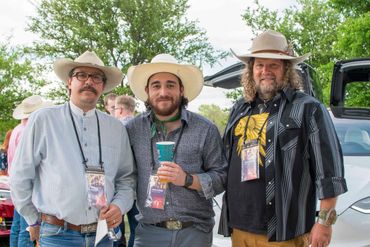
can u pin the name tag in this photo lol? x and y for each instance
(249, 159)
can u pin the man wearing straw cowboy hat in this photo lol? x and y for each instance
(177, 213)
(292, 151)
(74, 164)
(19, 235)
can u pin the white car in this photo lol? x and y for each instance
(352, 124)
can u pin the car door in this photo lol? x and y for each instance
(350, 89)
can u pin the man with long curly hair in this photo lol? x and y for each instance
(283, 153)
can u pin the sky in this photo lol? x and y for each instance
(220, 18)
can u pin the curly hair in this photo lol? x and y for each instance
(291, 79)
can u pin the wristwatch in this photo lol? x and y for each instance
(327, 217)
(188, 180)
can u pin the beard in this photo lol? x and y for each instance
(173, 105)
(268, 90)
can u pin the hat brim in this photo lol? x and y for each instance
(63, 66)
(295, 60)
(190, 76)
(19, 114)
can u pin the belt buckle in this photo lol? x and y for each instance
(88, 228)
(174, 225)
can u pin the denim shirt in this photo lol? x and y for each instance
(199, 152)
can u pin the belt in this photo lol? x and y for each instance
(174, 224)
(50, 219)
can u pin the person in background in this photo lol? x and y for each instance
(124, 111)
(177, 211)
(109, 101)
(19, 235)
(79, 167)
(293, 155)
(4, 153)
(124, 108)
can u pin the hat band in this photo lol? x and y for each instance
(273, 51)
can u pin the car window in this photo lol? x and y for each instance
(357, 94)
(354, 136)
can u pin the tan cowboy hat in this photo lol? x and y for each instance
(190, 76)
(29, 105)
(271, 44)
(63, 66)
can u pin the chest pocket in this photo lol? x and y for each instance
(288, 130)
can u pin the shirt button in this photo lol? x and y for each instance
(287, 125)
(270, 122)
(85, 129)
(89, 208)
(269, 140)
(269, 161)
(85, 144)
(167, 203)
(84, 114)
(275, 105)
(270, 203)
(269, 183)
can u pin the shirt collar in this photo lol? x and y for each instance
(79, 112)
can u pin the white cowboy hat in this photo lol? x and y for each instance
(190, 76)
(63, 66)
(273, 45)
(29, 105)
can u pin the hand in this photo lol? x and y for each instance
(320, 235)
(112, 214)
(172, 172)
(34, 232)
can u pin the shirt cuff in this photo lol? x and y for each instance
(331, 187)
(206, 183)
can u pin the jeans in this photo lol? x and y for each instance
(56, 236)
(19, 236)
(133, 223)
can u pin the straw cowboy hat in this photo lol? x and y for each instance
(63, 66)
(271, 44)
(190, 76)
(29, 105)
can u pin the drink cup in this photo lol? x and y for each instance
(165, 153)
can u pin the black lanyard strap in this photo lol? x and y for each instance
(263, 125)
(84, 160)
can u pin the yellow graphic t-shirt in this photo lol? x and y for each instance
(256, 122)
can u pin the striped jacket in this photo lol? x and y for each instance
(304, 152)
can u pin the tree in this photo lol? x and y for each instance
(122, 33)
(19, 78)
(329, 29)
(216, 115)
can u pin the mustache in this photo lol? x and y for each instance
(88, 88)
(164, 98)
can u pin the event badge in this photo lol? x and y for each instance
(96, 187)
(156, 193)
(249, 159)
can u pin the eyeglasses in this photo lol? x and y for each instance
(96, 78)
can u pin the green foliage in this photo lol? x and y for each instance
(329, 30)
(358, 94)
(19, 78)
(122, 33)
(234, 94)
(216, 115)
(354, 37)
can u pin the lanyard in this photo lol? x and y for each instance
(84, 160)
(175, 149)
(263, 125)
